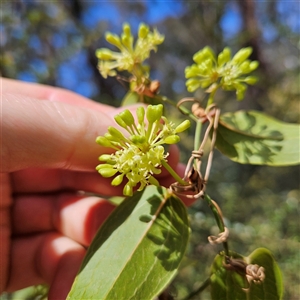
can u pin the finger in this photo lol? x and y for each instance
(76, 217)
(45, 92)
(45, 258)
(50, 134)
(47, 180)
(34, 180)
(5, 224)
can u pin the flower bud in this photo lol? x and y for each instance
(103, 166)
(101, 140)
(127, 191)
(245, 67)
(117, 180)
(253, 65)
(127, 41)
(138, 139)
(140, 113)
(250, 80)
(113, 39)
(127, 117)
(104, 54)
(172, 139)
(240, 90)
(224, 56)
(192, 84)
(120, 121)
(126, 29)
(115, 133)
(104, 157)
(143, 31)
(109, 137)
(107, 172)
(183, 126)
(154, 112)
(242, 55)
(205, 54)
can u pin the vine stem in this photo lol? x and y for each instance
(173, 173)
(197, 135)
(219, 219)
(183, 110)
(201, 288)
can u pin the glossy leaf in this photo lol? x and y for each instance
(137, 251)
(272, 287)
(251, 137)
(229, 284)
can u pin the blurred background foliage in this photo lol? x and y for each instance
(54, 42)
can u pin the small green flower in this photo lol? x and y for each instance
(140, 154)
(211, 72)
(131, 55)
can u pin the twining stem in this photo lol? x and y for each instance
(184, 110)
(173, 173)
(197, 138)
(201, 288)
(218, 218)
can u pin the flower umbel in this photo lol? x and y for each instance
(131, 55)
(140, 155)
(228, 73)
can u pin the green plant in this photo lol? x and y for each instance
(144, 240)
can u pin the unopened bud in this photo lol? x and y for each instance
(127, 117)
(117, 180)
(253, 65)
(143, 31)
(113, 39)
(138, 139)
(140, 113)
(107, 172)
(242, 55)
(104, 157)
(154, 112)
(120, 121)
(127, 191)
(104, 54)
(115, 133)
(224, 56)
(183, 126)
(126, 29)
(172, 139)
(101, 140)
(250, 79)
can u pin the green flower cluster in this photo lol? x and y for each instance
(140, 155)
(131, 55)
(211, 72)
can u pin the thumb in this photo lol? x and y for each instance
(47, 134)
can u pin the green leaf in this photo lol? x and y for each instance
(226, 284)
(130, 98)
(272, 287)
(251, 137)
(137, 251)
(229, 284)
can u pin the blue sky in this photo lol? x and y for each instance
(74, 74)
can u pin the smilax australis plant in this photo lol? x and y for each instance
(137, 251)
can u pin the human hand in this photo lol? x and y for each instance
(48, 154)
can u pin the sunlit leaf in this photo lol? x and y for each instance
(272, 287)
(251, 137)
(138, 249)
(130, 98)
(227, 283)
